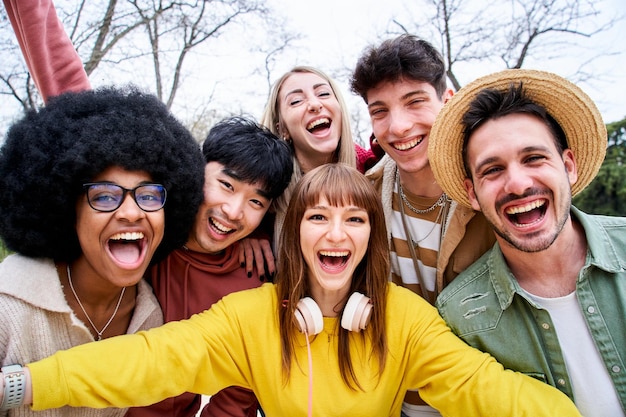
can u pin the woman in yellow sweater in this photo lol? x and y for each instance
(298, 356)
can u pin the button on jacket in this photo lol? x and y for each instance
(487, 308)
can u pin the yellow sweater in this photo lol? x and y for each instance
(236, 342)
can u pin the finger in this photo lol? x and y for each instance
(249, 256)
(256, 258)
(242, 253)
(268, 256)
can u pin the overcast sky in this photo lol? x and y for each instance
(338, 30)
(334, 33)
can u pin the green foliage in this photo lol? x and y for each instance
(3, 250)
(607, 193)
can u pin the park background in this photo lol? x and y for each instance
(209, 59)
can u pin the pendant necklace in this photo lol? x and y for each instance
(98, 332)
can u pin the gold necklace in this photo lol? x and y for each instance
(117, 307)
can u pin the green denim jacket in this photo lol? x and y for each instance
(487, 308)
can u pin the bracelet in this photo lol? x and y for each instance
(14, 386)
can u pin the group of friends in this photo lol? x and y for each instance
(442, 271)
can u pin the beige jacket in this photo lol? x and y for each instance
(467, 234)
(36, 321)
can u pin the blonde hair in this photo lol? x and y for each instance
(271, 119)
(339, 185)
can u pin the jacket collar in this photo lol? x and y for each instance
(23, 278)
(601, 253)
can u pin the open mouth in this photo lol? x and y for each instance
(127, 247)
(405, 146)
(319, 124)
(219, 228)
(333, 259)
(528, 214)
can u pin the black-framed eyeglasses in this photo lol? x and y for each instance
(107, 197)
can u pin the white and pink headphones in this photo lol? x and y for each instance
(355, 317)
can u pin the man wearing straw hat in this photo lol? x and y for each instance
(549, 299)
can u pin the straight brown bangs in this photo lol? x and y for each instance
(340, 187)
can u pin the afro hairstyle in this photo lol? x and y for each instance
(50, 153)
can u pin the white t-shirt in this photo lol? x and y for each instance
(594, 393)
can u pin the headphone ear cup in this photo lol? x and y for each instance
(309, 316)
(356, 313)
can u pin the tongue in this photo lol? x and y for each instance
(333, 261)
(528, 217)
(126, 252)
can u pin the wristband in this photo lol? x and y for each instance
(14, 386)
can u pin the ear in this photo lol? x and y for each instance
(569, 160)
(282, 132)
(447, 95)
(471, 194)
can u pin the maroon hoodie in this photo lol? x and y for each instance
(186, 283)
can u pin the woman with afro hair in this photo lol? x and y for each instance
(94, 187)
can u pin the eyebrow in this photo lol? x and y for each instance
(404, 97)
(321, 207)
(487, 161)
(233, 174)
(528, 149)
(299, 90)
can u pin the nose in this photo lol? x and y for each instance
(233, 208)
(129, 210)
(400, 123)
(336, 232)
(315, 105)
(517, 180)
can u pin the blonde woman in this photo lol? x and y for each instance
(306, 108)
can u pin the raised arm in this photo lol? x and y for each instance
(52, 60)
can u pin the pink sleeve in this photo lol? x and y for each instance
(367, 158)
(52, 60)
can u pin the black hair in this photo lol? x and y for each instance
(491, 103)
(251, 153)
(403, 57)
(50, 153)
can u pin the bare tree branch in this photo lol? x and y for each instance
(510, 33)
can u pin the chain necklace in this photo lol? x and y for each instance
(117, 307)
(439, 203)
(438, 222)
(444, 203)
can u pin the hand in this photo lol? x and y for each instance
(257, 251)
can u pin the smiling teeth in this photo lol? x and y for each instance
(316, 123)
(128, 236)
(409, 145)
(526, 208)
(220, 226)
(334, 253)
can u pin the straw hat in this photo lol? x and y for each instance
(567, 104)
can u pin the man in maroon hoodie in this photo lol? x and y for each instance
(247, 167)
